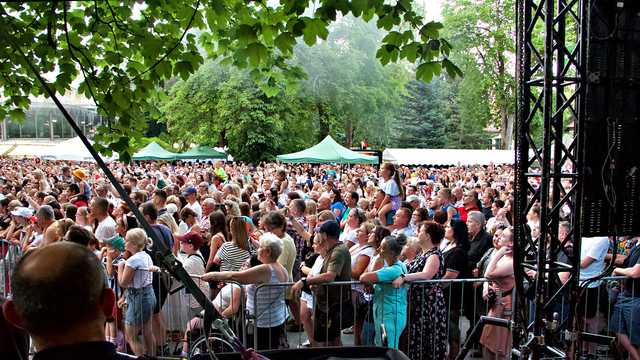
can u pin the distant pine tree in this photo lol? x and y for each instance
(421, 122)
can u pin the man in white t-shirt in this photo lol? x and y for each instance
(106, 228)
(401, 221)
(190, 195)
(44, 218)
(592, 254)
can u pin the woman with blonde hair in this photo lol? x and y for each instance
(235, 190)
(135, 275)
(82, 218)
(167, 220)
(232, 207)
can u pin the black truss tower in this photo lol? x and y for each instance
(550, 111)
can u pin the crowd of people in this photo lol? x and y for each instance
(267, 238)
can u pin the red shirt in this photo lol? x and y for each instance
(464, 212)
(79, 203)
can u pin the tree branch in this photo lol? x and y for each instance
(50, 26)
(99, 19)
(74, 57)
(115, 17)
(166, 55)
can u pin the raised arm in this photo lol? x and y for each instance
(499, 269)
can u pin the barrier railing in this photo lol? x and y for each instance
(461, 298)
(605, 308)
(9, 256)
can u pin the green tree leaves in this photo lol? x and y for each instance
(451, 68)
(257, 54)
(347, 94)
(421, 121)
(285, 42)
(120, 53)
(314, 28)
(483, 35)
(425, 71)
(222, 106)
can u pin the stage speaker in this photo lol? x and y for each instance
(329, 353)
(611, 196)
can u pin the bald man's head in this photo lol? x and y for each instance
(324, 203)
(58, 287)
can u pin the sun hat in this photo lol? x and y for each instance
(79, 173)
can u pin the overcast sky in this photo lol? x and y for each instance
(433, 9)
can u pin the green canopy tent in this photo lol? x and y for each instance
(153, 151)
(327, 151)
(201, 152)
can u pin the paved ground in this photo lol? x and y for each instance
(297, 338)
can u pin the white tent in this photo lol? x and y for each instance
(70, 150)
(28, 150)
(444, 157)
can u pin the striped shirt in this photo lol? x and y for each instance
(232, 257)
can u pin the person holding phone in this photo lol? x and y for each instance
(498, 294)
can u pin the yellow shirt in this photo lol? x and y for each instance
(288, 256)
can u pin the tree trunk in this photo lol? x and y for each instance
(506, 128)
(349, 134)
(222, 141)
(506, 121)
(322, 120)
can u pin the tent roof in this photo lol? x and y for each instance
(202, 152)
(448, 156)
(153, 151)
(327, 151)
(71, 150)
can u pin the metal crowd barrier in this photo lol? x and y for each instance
(600, 312)
(605, 310)
(9, 256)
(462, 313)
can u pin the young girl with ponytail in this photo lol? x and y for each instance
(394, 193)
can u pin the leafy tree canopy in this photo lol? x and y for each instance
(483, 35)
(222, 106)
(120, 52)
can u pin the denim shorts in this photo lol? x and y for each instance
(625, 318)
(140, 303)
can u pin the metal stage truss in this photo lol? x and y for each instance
(550, 72)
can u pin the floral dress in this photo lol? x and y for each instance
(427, 330)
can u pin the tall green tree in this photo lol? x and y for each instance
(120, 52)
(421, 121)
(354, 96)
(190, 111)
(483, 37)
(222, 106)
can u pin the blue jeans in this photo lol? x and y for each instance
(140, 303)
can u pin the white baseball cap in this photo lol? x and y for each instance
(22, 212)
(411, 198)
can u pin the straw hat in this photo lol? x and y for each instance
(79, 173)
